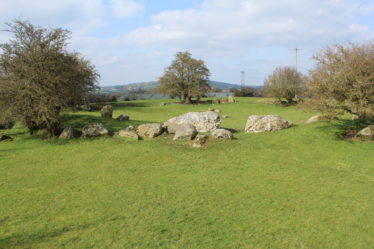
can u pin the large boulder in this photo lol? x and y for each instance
(67, 133)
(5, 138)
(262, 123)
(222, 133)
(185, 132)
(150, 130)
(199, 141)
(367, 133)
(230, 99)
(129, 132)
(107, 111)
(203, 121)
(123, 118)
(94, 130)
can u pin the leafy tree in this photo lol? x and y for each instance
(343, 80)
(284, 83)
(38, 76)
(185, 78)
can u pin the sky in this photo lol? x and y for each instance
(135, 40)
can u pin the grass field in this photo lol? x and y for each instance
(304, 187)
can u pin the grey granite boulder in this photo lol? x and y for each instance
(67, 133)
(94, 130)
(203, 121)
(262, 123)
(129, 132)
(150, 130)
(107, 111)
(185, 132)
(367, 133)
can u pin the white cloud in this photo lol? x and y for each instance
(230, 24)
(126, 8)
(80, 16)
(230, 35)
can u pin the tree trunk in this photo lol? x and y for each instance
(186, 99)
(54, 129)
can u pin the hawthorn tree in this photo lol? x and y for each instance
(186, 78)
(343, 80)
(38, 76)
(284, 83)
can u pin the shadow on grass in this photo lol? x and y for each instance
(26, 240)
(131, 104)
(345, 129)
(78, 121)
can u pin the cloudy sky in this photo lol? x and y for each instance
(134, 40)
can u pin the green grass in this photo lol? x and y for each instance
(303, 187)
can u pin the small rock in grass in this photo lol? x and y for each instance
(222, 133)
(199, 141)
(230, 99)
(123, 117)
(366, 133)
(5, 138)
(107, 111)
(67, 133)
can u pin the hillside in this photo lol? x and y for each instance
(153, 84)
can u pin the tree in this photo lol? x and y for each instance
(343, 80)
(246, 92)
(38, 76)
(185, 78)
(216, 90)
(284, 83)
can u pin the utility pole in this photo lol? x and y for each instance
(242, 79)
(296, 58)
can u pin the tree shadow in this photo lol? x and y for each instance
(345, 129)
(26, 240)
(131, 104)
(78, 121)
(233, 131)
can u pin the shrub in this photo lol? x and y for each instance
(343, 80)
(284, 83)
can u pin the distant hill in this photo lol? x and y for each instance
(153, 84)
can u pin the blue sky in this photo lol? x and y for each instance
(134, 40)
